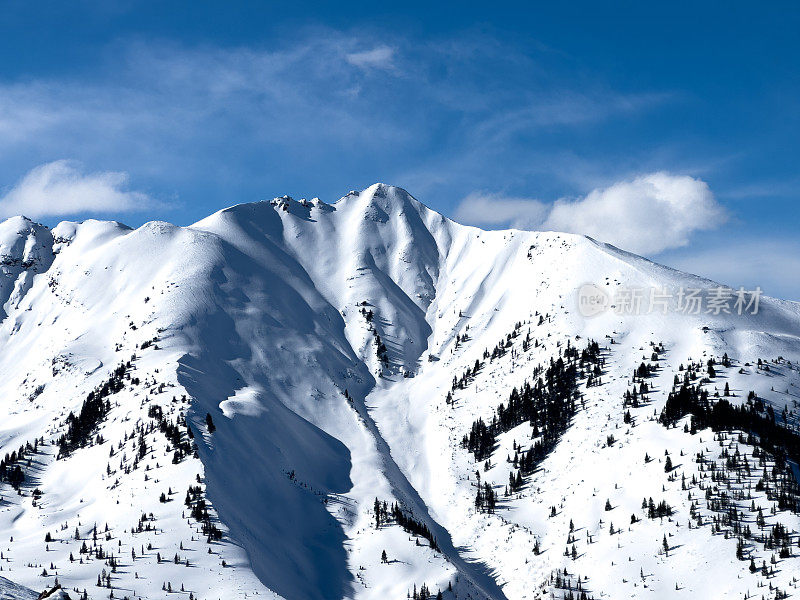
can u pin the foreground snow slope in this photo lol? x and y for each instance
(322, 340)
(11, 591)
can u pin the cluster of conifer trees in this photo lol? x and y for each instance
(752, 423)
(486, 498)
(10, 469)
(424, 593)
(385, 515)
(93, 411)
(199, 511)
(569, 587)
(726, 496)
(172, 431)
(459, 383)
(656, 511)
(381, 350)
(548, 405)
(752, 417)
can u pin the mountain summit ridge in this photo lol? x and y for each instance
(276, 371)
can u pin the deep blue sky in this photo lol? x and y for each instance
(509, 105)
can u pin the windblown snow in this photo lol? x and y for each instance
(245, 392)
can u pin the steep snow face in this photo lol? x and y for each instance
(26, 248)
(11, 591)
(303, 353)
(212, 323)
(379, 250)
(284, 364)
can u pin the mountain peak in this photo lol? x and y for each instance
(283, 364)
(380, 201)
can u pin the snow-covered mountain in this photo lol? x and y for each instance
(222, 410)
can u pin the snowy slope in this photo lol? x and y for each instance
(11, 591)
(322, 340)
(26, 249)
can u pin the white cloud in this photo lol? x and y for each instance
(481, 208)
(60, 188)
(646, 215)
(380, 57)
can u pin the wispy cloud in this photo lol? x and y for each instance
(300, 92)
(182, 102)
(345, 106)
(60, 188)
(561, 109)
(379, 57)
(481, 208)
